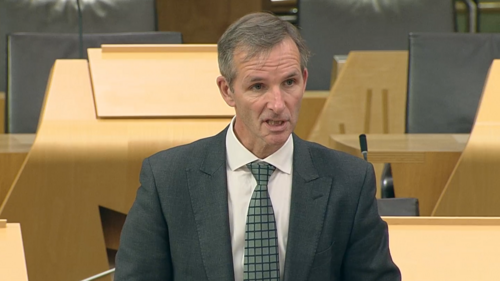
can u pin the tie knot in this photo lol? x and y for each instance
(262, 171)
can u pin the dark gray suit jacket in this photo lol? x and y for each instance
(178, 227)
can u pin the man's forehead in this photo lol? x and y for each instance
(243, 53)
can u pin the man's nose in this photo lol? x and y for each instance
(276, 102)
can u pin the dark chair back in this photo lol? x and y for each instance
(56, 16)
(335, 27)
(31, 57)
(398, 207)
(446, 76)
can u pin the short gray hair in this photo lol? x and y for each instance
(255, 34)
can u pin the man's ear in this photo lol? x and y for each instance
(225, 91)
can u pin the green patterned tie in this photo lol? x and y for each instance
(261, 236)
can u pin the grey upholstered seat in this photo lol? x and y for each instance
(446, 75)
(56, 16)
(398, 207)
(30, 59)
(335, 27)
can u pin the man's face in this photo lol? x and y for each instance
(267, 92)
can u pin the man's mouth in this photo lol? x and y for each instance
(274, 123)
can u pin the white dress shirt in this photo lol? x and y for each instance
(241, 184)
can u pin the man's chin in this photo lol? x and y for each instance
(278, 139)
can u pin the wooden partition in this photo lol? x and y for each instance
(310, 109)
(368, 96)
(12, 262)
(474, 186)
(81, 164)
(437, 249)
(452, 175)
(13, 151)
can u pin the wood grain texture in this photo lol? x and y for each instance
(346, 105)
(435, 249)
(12, 262)
(474, 186)
(78, 163)
(157, 81)
(13, 151)
(350, 110)
(421, 163)
(202, 21)
(426, 180)
(312, 103)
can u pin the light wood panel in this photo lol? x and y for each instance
(13, 151)
(426, 180)
(421, 163)
(338, 64)
(345, 110)
(78, 163)
(312, 103)
(12, 262)
(436, 249)
(368, 96)
(474, 186)
(157, 81)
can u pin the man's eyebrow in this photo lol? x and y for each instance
(292, 74)
(253, 79)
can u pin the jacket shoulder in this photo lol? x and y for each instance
(187, 154)
(330, 161)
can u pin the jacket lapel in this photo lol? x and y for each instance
(310, 194)
(208, 191)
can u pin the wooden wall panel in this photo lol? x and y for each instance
(202, 21)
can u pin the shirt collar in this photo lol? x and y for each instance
(238, 156)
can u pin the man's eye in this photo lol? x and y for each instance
(257, 87)
(289, 82)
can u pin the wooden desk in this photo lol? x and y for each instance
(421, 163)
(12, 261)
(443, 248)
(13, 151)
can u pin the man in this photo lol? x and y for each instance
(255, 202)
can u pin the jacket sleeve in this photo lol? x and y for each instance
(144, 252)
(368, 257)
